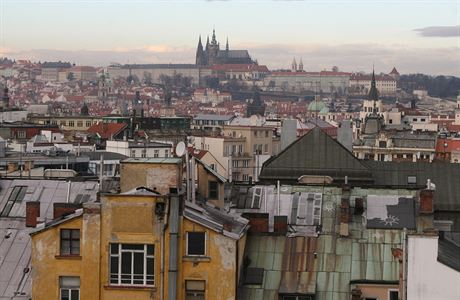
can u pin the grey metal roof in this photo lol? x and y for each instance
(449, 251)
(15, 244)
(443, 175)
(233, 54)
(96, 155)
(315, 153)
(158, 160)
(215, 219)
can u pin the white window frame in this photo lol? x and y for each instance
(69, 287)
(392, 290)
(132, 251)
(205, 244)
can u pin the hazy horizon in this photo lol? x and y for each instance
(352, 35)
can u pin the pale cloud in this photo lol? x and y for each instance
(439, 31)
(348, 57)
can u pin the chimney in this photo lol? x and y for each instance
(426, 201)
(32, 213)
(280, 224)
(63, 209)
(258, 222)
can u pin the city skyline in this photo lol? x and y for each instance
(405, 34)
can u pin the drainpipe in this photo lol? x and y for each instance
(162, 251)
(173, 246)
(404, 266)
(192, 176)
(101, 170)
(69, 185)
(278, 196)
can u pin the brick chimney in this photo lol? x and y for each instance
(426, 201)
(32, 213)
(258, 222)
(61, 209)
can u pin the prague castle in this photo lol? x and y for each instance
(211, 54)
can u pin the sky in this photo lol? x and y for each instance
(415, 36)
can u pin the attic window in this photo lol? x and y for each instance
(411, 179)
(213, 191)
(254, 276)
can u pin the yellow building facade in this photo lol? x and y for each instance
(139, 245)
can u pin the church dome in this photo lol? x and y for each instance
(316, 106)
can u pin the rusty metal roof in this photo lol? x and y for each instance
(288, 264)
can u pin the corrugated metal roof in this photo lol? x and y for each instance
(288, 266)
(15, 244)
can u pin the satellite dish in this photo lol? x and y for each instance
(180, 149)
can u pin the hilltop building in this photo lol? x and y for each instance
(211, 54)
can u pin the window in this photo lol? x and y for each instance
(245, 163)
(88, 123)
(143, 153)
(16, 196)
(213, 192)
(132, 264)
(412, 179)
(21, 134)
(196, 243)
(70, 241)
(167, 153)
(245, 177)
(393, 295)
(266, 148)
(71, 123)
(156, 153)
(214, 167)
(69, 288)
(62, 123)
(256, 197)
(266, 133)
(240, 149)
(133, 153)
(79, 123)
(234, 163)
(195, 289)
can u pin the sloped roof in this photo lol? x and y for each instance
(107, 130)
(15, 250)
(315, 153)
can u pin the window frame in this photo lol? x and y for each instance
(69, 287)
(116, 278)
(195, 292)
(71, 240)
(187, 244)
(211, 191)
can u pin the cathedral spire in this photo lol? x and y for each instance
(214, 41)
(226, 45)
(294, 65)
(301, 65)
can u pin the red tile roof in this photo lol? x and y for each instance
(450, 145)
(107, 130)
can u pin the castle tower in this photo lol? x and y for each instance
(213, 49)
